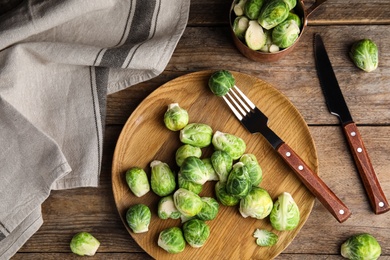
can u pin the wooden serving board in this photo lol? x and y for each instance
(144, 138)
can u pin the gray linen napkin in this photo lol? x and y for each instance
(58, 61)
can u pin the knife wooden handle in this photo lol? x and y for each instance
(370, 181)
(315, 184)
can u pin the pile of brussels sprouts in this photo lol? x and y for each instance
(237, 177)
(266, 25)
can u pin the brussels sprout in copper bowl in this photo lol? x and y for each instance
(267, 30)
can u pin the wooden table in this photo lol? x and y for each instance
(206, 44)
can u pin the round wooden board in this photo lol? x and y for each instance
(144, 138)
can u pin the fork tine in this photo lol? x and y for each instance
(235, 111)
(247, 100)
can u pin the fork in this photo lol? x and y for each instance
(256, 122)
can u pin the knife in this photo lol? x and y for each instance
(338, 107)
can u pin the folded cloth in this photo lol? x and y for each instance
(58, 61)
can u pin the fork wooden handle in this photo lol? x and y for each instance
(370, 181)
(315, 184)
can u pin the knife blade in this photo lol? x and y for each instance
(338, 107)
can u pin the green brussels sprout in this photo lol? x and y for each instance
(196, 134)
(220, 82)
(285, 213)
(239, 7)
(238, 182)
(364, 54)
(296, 18)
(162, 179)
(273, 13)
(175, 118)
(138, 218)
(252, 8)
(210, 170)
(84, 243)
(257, 204)
(255, 37)
(188, 185)
(187, 202)
(253, 168)
(291, 3)
(229, 143)
(166, 208)
(222, 163)
(172, 240)
(196, 232)
(193, 169)
(285, 33)
(137, 181)
(209, 210)
(265, 237)
(223, 197)
(361, 247)
(240, 24)
(185, 151)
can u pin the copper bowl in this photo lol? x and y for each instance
(266, 56)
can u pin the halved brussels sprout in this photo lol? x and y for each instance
(286, 33)
(229, 143)
(172, 240)
(196, 134)
(196, 232)
(137, 181)
(361, 246)
(296, 18)
(265, 237)
(188, 185)
(185, 151)
(162, 179)
(210, 170)
(240, 24)
(138, 218)
(273, 13)
(166, 208)
(222, 163)
(239, 7)
(291, 3)
(257, 204)
(238, 182)
(209, 210)
(253, 168)
(84, 243)
(255, 37)
(364, 54)
(252, 8)
(285, 213)
(187, 202)
(175, 118)
(193, 169)
(224, 197)
(220, 82)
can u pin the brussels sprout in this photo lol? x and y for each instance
(196, 134)
(220, 82)
(175, 118)
(137, 181)
(188, 203)
(172, 240)
(240, 24)
(84, 243)
(360, 247)
(285, 213)
(188, 185)
(252, 8)
(223, 197)
(193, 169)
(229, 143)
(296, 18)
(239, 7)
(210, 170)
(286, 33)
(265, 237)
(255, 37)
(166, 208)
(209, 210)
(253, 168)
(185, 151)
(364, 54)
(222, 163)
(291, 3)
(257, 204)
(196, 232)
(138, 218)
(238, 182)
(273, 13)
(162, 179)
